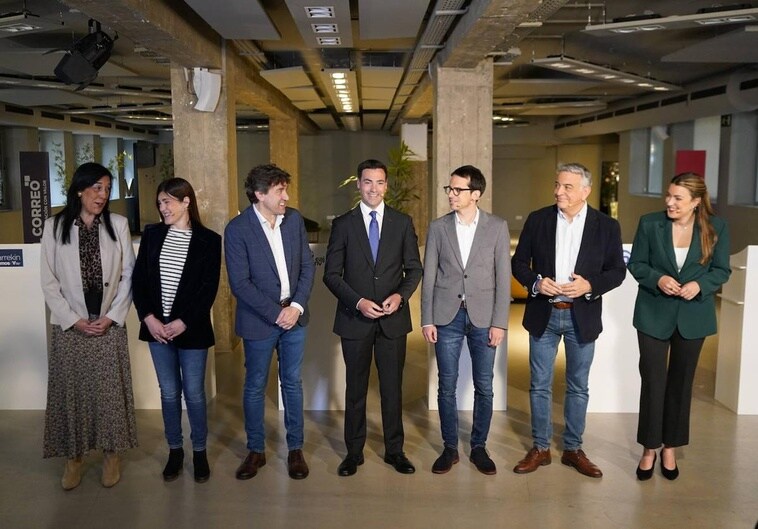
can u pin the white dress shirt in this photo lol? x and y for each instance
(465, 234)
(366, 213)
(568, 240)
(274, 236)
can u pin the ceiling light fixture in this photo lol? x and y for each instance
(342, 85)
(602, 73)
(319, 12)
(329, 41)
(325, 28)
(724, 16)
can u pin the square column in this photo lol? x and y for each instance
(462, 128)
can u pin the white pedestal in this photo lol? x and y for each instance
(615, 377)
(737, 360)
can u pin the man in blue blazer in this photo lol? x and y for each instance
(567, 257)
(271, 268)
(372, 267)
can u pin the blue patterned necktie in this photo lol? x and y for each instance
(373, 235)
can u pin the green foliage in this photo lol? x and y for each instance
(400, 187)
(118, 162)
(59, 161)
(85, 154)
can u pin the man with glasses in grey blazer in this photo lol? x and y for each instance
(466, 293)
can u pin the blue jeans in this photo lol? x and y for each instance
(542, 352)
(181, 370)
(448, 352)
(290, 346)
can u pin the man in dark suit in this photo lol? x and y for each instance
(567, 257)
(373, 267)
(466, 294)
(271, 268)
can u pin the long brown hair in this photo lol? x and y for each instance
(180, 188)
(695, 184)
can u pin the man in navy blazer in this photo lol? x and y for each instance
(271, 268)
(372, 267)
(567, 257)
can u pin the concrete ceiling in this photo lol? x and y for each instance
(386, 45)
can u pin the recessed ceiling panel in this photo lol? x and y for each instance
(286, 77)
(373, 121)
(34, 97)
(739, 46)
(542, 87)
(386, 77)
(38, 65)
(236, 19)
(324, 121)
(380, 20)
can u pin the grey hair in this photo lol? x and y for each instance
(576, 168)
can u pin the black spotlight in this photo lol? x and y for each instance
(81, 63)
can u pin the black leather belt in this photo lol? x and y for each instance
(286, 302)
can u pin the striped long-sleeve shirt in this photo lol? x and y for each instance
(173, 256)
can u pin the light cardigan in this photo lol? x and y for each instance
(61, 275)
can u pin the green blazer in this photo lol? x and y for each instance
(659, 315)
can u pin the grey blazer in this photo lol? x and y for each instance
(62, 277)
(486, 279)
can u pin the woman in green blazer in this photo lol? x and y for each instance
(680, 257)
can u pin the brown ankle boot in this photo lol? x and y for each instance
(72, 473)
(111, 471)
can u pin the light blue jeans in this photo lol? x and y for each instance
(542, 353)
(181, 370)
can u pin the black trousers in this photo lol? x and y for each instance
(389, 356)
(667, 370)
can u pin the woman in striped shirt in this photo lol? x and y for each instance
(174, 285)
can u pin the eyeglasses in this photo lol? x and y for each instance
(456, 190)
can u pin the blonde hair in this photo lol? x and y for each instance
(695, 184)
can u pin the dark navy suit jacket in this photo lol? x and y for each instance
(253, 277)
(600, 261)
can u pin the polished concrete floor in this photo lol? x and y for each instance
(718, 486)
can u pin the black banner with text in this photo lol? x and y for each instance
(35, 193)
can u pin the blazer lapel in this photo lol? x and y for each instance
(287, 239)
(589, 238)
(359, 233)
(549, 238)
(667, 245)
(452, 237)
(261, 240)
(478, 243)
(695, 251)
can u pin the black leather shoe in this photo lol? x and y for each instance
(174, 465)
(400, 462)
(200, 463)
(481, 460)
(251, 464)
(349, 465)
(445, 461)
(644, 475)
(670, 474)
(296, 465)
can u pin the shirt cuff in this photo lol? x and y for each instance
(298, 306)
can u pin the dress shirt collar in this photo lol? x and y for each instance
(473, 222)
(262, 219)
(581, 214)
(365, 210)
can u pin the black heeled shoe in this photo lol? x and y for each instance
(672, 474)
(644, 475)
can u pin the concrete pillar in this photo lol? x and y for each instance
(283, 146)
(205, 153)
(462, 128)
(416, 137)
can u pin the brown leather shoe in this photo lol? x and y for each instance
(534, 459)
(251, 464)
(579, 460)
(296, 465)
